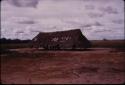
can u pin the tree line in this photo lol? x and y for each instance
(8, 41)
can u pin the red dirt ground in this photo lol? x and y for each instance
(97, 66)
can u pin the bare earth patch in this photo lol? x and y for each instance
(30, 66)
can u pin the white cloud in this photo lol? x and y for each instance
(56, 15)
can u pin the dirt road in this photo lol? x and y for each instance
(96, 66)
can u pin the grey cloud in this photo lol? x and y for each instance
(73, 23)
(27, 22)
(83, 29)
(89, 7)
(98, 24)
(36, 31)
(19, 32)
(108, 10)
(89, 26)
(95, 15)
(103, 30)
(77, 24)
(120, 21)
(85, 25)
(24, 3)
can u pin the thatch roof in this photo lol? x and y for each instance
(61, 39)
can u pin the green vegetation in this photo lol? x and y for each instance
(95, 44)
(15, 45)
(108, 43)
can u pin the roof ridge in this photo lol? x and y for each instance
(63, 31)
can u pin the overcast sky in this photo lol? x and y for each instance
(97, 19)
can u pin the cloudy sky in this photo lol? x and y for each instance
(97, 19)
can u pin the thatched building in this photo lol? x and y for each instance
(70, 39)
